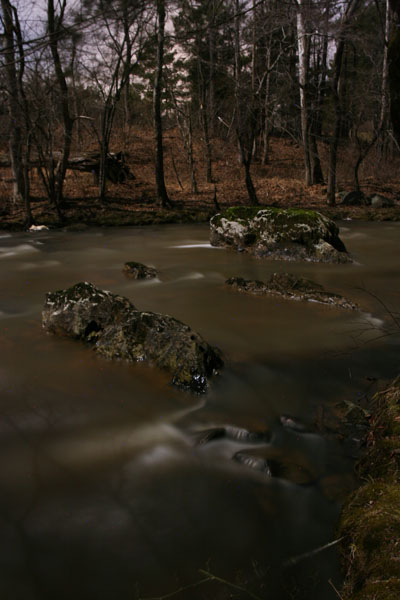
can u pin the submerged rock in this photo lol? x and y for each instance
(135, 270)
(290, 287)
(117, 330)
(280, 234)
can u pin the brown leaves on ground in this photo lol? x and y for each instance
(280, 182)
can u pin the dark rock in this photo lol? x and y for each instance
(378, 201)
(253, 462)
(135, 270)
(353, 198)
(290, 287)
(280, 234)
(116, 330)
(231, 432)
(292, 424)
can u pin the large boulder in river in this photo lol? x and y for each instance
(117, 330)
(280, 234)
(290, 287)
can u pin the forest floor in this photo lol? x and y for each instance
(279, 183)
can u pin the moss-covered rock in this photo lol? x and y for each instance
(370, 521)
(282, 234)
(290, 287)
(116, 330)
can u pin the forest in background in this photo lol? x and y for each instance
(189, 103)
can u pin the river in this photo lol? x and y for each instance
(104, 492)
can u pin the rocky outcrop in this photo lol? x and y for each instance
(117, 330)
(280, 234)
(136, 270)
(290, 287)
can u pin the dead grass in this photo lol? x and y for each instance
(370, 521)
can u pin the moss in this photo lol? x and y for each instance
(246, 213)
(370, 521)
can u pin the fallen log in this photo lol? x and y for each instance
(117, 170)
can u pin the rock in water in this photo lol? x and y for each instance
(280, 234)
(290, 287)
(116, 330)
(135, 270)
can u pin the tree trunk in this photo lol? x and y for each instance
(54, 25)
(245, 132)
(267, 116)
(15, 130)
(27, 120)
(162, 193)
(394, 71)
(303, 41)
(337, 67)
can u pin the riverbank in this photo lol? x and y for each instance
(82, 213)
(370, 520)
(279, 183)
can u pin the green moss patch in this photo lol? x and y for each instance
(370, 521)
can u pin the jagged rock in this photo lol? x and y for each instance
(253, 462)
(231, 432)
(116, 330)
(280, 234)
(135, 270)
(290, 287)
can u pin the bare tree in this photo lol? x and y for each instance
(162, 193)
(56, 27)
(13, 101)
(245, 107)
(349, 10)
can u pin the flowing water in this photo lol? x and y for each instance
(105, 492)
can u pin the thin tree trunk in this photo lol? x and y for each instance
(190, 154)
(162, 193)
(267, 115)
(303, 41)
(15, 130)
(246, 153)
(28, 125)
(337, 67)
(54, 25)
(211, 86)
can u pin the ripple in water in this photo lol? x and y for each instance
(16, 250)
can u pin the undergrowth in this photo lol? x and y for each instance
(370, 521)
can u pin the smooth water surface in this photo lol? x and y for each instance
(104, 492)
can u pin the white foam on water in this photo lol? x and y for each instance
(198, 245)
(374, 321)
(16, 250)
(152, 281)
